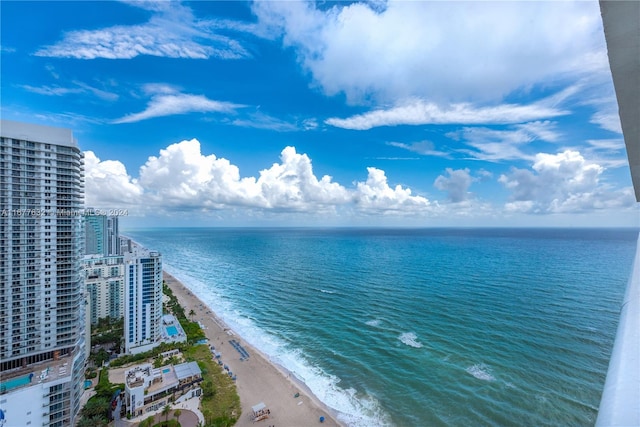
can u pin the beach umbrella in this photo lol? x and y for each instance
(321, 419)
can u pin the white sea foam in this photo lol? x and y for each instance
(410, 339)
(373, 322)
(353, 409)
(324, 291)
(481, 372)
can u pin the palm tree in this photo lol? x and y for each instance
(165, 412)
(176, 415)
(192, 313)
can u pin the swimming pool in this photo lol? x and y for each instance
(15, 383)
(87, 383)
(166, 371)
(172, 330)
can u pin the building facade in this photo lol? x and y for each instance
(103, 267)
(148, 389)
(142, 299)
(101, 234)
(104, 277)
(42, 297)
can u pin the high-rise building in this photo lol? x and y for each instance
(104, 277)
(101, 234)
(142, 299)
(42, 296)
(103, 266)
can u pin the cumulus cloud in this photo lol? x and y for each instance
(181, 178)
(562, 183)
(172, 31)
(167, 101)
(108, 185)
(375, 195)
(407, 49)
(420, 112)
(456, 184)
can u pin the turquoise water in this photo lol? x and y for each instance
(15, 383)
(166, 371)
(87, 383)
(421, 327)
(172, 330)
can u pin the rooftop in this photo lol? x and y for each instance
(36, 373)
(38, 133)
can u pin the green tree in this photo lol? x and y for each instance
(96, 407)
(100, 357)
(192, 313)
(158, 362)
(147, 422)
(165, 412)
(176, 415)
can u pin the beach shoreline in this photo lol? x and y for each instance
(259, 379)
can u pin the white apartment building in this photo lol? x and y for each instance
(104, 277)
(142, 299)
(148, 388)
(42, 305)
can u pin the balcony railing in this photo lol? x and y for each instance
(621, 395)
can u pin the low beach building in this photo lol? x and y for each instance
(148, 389)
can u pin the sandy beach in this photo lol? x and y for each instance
(258, 380)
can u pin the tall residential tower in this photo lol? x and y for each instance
(42, 329)
(142, 299)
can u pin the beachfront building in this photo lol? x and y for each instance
(42, 298)
(142, 299)
(104, 277)
(101, 234)
(148, 388)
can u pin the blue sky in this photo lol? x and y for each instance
(328, 113)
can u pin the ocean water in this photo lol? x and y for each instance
(427, 327)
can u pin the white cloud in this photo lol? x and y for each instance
(425, 148)
(181, 178)
(107, 184)
(561, 183)
(608, 119)
(261, 120)
(79, 88)
(376, 196)
(419, 112)
(167, 102)
(504, 144)
(172, 31)
(408, 49)
(292, 184)
(616, 144)
(456, 184)
(52, 90)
